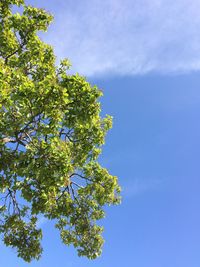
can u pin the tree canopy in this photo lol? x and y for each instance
(51, 134)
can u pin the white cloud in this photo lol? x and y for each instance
(127, 37)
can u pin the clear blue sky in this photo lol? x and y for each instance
(154, 146)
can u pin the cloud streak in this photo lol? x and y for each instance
(126, 37)
(141, 186)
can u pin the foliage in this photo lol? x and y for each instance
(51, 135)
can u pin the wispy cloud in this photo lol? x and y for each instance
(127, 37)
(140, 186)
(41, 221)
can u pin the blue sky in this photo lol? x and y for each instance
(145, 56)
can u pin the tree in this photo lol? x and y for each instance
(51, 135)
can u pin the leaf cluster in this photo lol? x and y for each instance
(51, 134)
